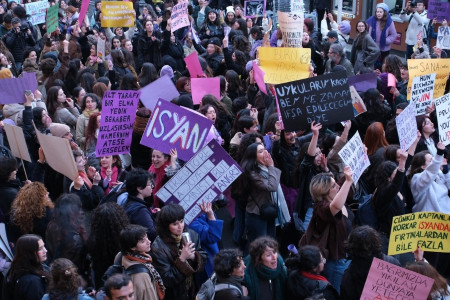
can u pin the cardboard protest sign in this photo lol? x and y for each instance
(193, 65)
(407, 127)
(17, 142)
(259, 77)
(363, 82)
(418, 67)
(162, 88)
(439, 9)
(204, 177)
(291, 26)
(442, 105)
(358, 104)
(172, 126)
(37, 11)
(427, 230)
(443, 38)
(203, 86)
(83, 11)
(116, 125)
(284, 64)
(254, 8)
(117, 14)
(51, 22)
(12, 90)
(353, 154)
(388, 281)
(324, 99)
(58, 154)
(179, 16)
(422, 92)
(101, 44)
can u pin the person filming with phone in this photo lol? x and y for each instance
(416, 14)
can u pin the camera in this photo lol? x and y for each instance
(413, 4)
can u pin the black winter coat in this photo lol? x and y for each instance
(174, 50)
(17, 42)
(139, 213)
(300, 287)
(148, 50)
(214, 31)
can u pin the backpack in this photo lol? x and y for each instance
(366, 212)
(209, 288)
(116, 194)
(117, 268)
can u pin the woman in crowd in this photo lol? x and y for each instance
(364, 50)
(209, 111)
(377, 111)
(149, 42)
(429, 138)
(65, 283)
(265, 275)
(91, 136)
(111, 171)
(70, 80)
(440, 289)
(95, 62)
(62, 109)
(175, 260)
(135, 248)
(305, 280)
(91, 104)
(78, 95)
(148, 74)
(9, 184)
(211, 27)
(214, 56)
(234, 86)
(163, 167)
(28, 276)
(229, 268)
(120, 67)
(115, 43)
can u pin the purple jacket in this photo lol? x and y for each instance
(391, 36)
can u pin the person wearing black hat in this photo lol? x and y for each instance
(214, 56)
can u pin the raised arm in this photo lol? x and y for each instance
(339, 200)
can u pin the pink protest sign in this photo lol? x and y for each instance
(193, 65)
(162, 88)
(179, 16)
(388, 281)
(172, 126)
(391, 80)
(203, 86)
(12, 90)
(83, 11)
(259, 77)
(116, 125)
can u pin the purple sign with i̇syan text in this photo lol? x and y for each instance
(116, 125)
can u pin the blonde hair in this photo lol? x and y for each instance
(320, 186)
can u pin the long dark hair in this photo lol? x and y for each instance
(65, 281)
(92, 127)
(148, 74)
(361, 35)
(417, 162)
(52, 100)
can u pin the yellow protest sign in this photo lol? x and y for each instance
(428, 230)
(284, 64)
(418, 67)
(117, 14)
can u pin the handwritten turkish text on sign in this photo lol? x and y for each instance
(291, 26)
(37, 11)
(117, 14)
(439, 9)
(324, 99)
(422, 92)
(354, 155)
(443, 116)
(407, 127)
(172, 126)
(427, 230)
(179, 16)
(443, 37)
(388, 281)
(284, 64)
(203, 178)
(52, 18)
(418, 67)
(116, 125)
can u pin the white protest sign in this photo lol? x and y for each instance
(443, 37)
(422, 92)
(407, 127)
(354, 155)
(37, 11)
(101, 48)
(443, 117)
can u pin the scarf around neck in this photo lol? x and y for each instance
(88, 113)
(313, 276)
(372, 21)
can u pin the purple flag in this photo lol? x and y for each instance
(363, 82)
(116, 125)
(162, 88)
(12, 90)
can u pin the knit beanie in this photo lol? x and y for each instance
(345, 27)
(59, 130)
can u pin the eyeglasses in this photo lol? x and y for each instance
(151, 184)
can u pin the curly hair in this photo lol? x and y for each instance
(364, 242)
(30, 203)
(226, 261)
(259, 246)
(64, 280)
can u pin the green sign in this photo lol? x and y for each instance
(52, 18)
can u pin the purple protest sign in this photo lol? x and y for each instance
(258, 73)
(172, 126)
(116, 125)
(193, 65)
(12, 90)
(363, 82)
(439, 9)
(83, 11)
(162, 88)
(203, 86)
(204, 177)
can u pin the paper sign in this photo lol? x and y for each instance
(297, 6)
(116, 125)
(259, 77)
(172, 126)
(117, 14)
(52, 18)
(363, 82)
(427, 230)
(443, 37)
(101, 48)
(179, 16)
(358, 104)
(291, 26)
(193, 65)
(83, 11)
(422, 92)
(162, 88)
(407, 127)
(324, 99)
(12, 90)
(442, 105)
(203, 86)
(441, 67)
(37, 11)
(387, 281)
(58, 154)
(202, 179)
(439, 9)
(391, 80)
(195, 34)
(353, 154)
(17, 142)
(255, 8)
(284, 64)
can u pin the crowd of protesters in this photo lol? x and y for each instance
(66, 234)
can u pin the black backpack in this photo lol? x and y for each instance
(117, 268)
